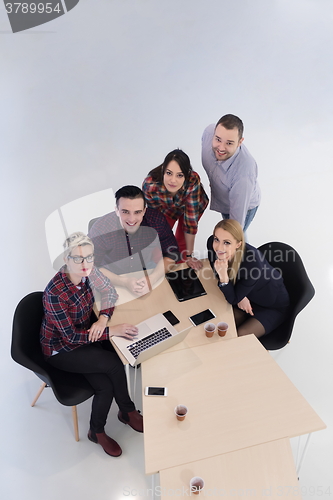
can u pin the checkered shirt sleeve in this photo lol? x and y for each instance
(67, 311)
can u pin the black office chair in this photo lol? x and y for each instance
(70, 389)
(92, 222)
(300, 289)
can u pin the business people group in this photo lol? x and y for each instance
(139, 234)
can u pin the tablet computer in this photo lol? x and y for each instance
(185, 284)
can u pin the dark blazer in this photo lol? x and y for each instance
(257, 280)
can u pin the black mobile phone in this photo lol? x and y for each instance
(171, 318)
(156, 391)
(202, 317)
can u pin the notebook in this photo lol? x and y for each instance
(155, 335)
(185, 284)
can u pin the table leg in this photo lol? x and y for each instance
(135, 373)
(303, 454)
(153, 485)
(298, 450)
(127, 371)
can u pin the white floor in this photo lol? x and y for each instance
(97, 98)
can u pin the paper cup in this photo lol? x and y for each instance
(222, 329)
(196, 485)
(209, 329)
(181, 412)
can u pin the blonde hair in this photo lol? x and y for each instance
(77, 239)
(235, 229)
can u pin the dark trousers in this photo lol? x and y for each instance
(101, 366)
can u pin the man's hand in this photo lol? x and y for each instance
(141, 286)
(138, 286)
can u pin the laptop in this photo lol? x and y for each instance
(155, 335)
(185, 284)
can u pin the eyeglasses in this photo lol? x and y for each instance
(78, 259)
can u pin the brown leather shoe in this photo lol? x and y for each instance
(109, 445)
(133, 419)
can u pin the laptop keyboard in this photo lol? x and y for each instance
(149, 341)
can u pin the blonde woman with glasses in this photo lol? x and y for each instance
(75, 341)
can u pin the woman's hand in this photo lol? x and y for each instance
(221, 267)
(96, 330)
(245, 305)
(123, 330)
(194, 263)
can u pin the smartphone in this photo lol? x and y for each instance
(202, 317)
(156, 391)
(171, 318)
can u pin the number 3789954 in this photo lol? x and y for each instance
(32, 8)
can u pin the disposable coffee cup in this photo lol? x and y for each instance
(222, 329)
(196, 485)
(209, 329)
(181, 412)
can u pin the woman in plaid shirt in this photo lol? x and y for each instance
(176, 191)
(72, 343)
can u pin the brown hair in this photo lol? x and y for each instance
(232, 121)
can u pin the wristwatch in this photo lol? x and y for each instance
(224, 283)
(105, 315)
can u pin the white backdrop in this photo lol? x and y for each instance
(98, 97)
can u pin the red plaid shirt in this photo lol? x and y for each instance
(191, 200)
(68, 308)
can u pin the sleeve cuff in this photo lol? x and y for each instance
(105, 312)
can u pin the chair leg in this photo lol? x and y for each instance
(74, 412)
(42, 387)
(75, 423)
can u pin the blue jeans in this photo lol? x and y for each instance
(248, 219)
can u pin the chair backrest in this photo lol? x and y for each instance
(284, 257)
(26, 349)
(300, 289)
(69, 388)
(92, 222)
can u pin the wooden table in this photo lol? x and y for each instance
(161, 299)
(238, 397)
(263, 471)
(242, 407)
